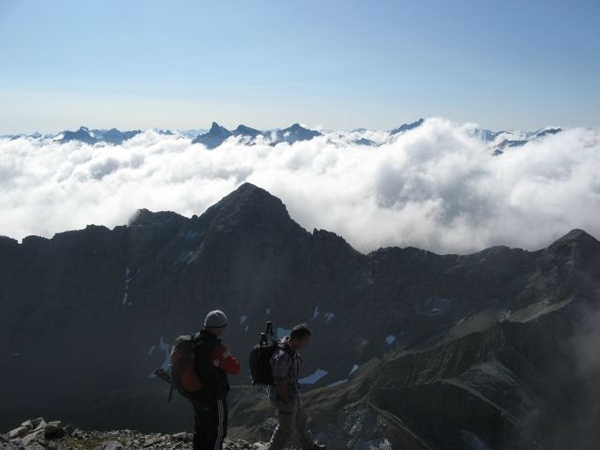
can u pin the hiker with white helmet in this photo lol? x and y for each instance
(213, 363)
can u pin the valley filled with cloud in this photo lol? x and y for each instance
(441, 186)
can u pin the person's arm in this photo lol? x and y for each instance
(224, 360)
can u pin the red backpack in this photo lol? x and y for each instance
(183, 376)
(183, 367)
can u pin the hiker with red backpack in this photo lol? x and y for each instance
(284, 394)
(213, 363)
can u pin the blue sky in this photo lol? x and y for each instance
(335, 64)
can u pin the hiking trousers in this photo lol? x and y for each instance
(210, 423)
(292, 417)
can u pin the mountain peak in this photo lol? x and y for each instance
(215, 137)
(243, 130)
(250, 193)
(547, 131)
(144, 216)
(83, 134)
(408, 126)
(247, 206)
(216, 128)
(577, 236)
(296, 133)
(578, 247)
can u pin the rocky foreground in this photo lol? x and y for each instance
(38, 434)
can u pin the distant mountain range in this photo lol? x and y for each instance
(217, 135)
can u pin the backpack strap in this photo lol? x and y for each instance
(171, 392)
(204, 349)
(196, 338)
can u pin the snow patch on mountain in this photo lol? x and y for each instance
(313, 378)
(126, 294)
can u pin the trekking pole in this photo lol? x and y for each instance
(163, 375)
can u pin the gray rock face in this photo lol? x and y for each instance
(420, 344)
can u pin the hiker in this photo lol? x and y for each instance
(285, 394)
(213, 362)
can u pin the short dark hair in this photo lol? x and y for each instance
(299, 331)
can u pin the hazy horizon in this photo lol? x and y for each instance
(206, 128)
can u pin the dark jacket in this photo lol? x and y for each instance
(214, 380)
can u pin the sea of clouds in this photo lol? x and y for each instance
(438, 187)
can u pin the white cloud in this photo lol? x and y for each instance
(437, 187)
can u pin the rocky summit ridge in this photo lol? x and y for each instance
(410, 349)
(38, 434)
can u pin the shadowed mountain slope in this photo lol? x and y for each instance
(449, 348)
